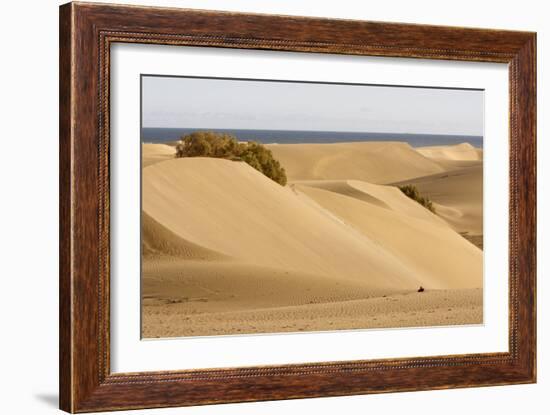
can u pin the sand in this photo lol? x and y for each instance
(457, 193)
(464, 151)
(457, 197)
(226, 250)
(428, 249)
(233, 209)
(373, 162)
(154, 153)
(431, 308)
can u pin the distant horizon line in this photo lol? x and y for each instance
(314, 131)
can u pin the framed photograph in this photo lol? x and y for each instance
(258, 207)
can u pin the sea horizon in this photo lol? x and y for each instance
(161, 135)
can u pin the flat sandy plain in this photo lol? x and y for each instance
(225, 250)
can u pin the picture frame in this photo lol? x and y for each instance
(87, 32)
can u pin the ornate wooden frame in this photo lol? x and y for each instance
(86, 33)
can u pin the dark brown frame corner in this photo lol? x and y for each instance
(86, 33)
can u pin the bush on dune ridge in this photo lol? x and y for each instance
(226, 146)
(413, 193)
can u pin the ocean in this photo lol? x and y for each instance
(161, 135)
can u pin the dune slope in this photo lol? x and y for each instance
(233, 209)
(157, 241)
(457, 196)
(463, 151)
(225, 250)
(388, 197)
(374, 162)
(434, 252)
(155, 153)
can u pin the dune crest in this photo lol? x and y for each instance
(201, 199)
(374, 161)
(226, 250)
(155, 153)
(388, 197)
(270, 226)
(457, 196)
(425, 246)
(462, 152)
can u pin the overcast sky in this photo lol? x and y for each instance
(241, 104)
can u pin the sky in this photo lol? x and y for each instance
(177, 102)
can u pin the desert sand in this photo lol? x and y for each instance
(458, 192)
(154, 153)
(373, 162)
(225, 250)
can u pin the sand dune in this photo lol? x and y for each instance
(226, 250)
(457, 196)
(373, 162)
(154, 153)
(157, 241)
(204, 200)
(388, 197)
(463, 152)
(200, 199)
(436, 254)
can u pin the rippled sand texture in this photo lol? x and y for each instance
(225, 250)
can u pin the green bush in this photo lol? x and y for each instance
(413, 193)
(226, 146)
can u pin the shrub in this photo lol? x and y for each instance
(221, 145)
(413, 193)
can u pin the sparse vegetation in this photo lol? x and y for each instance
(226, 146)
(412, 192)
